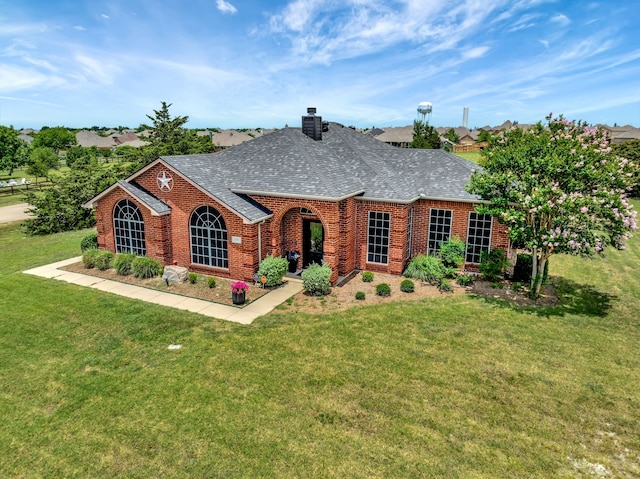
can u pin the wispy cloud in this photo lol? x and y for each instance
(561, 19)
(226, 7)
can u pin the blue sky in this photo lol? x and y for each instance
(250, 63)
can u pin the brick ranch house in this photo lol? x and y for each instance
(325, 191)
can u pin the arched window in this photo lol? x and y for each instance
(208, 238)
(128, 227)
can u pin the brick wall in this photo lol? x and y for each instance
(345, 225)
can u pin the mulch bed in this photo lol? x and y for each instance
(220, 294)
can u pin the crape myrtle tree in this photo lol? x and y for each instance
(558, 189)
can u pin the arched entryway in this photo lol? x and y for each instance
(302, 238)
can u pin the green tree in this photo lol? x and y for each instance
(452, 136)
(425, 136)
(41, 160)
(558, 190)
(60, 208)
(78, 156)
(57, 138)
(484, 135)
(631, 151)
(11, 149)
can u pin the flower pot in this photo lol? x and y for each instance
(293, 265)
(238, 298)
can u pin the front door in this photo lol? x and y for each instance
(312, 240)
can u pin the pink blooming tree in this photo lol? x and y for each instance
(558, 189)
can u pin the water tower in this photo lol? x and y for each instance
(424, 110)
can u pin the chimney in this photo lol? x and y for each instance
(312, 125)
(465, 116)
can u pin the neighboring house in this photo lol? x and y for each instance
(88, 138)
(629, 133)
(326, 191)
(229, 138)
(399, 136)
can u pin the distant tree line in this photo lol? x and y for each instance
(90, 170)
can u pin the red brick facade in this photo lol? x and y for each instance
(345, 225)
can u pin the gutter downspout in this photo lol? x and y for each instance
(260, 242)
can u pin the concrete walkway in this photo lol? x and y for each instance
(245, 315)
(9, 214)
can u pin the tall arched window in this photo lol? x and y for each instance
(208, 238)
(128, 227)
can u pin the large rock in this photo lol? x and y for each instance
(174, 274)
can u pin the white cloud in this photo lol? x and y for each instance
(561, 19)
(226, 7)
(105, 16)
(80, 28)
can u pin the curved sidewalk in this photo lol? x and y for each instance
(245, 315)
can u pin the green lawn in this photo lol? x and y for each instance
(470, 155)
(451, 387)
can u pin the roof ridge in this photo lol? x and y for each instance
(384, 174)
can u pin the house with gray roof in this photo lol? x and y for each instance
(321, 192)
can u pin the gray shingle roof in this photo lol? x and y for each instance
(154, 204)
(344, 163)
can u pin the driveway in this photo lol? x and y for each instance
(9, 214)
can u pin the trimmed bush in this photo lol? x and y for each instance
(103, 260)
(273, 269)
(211, 282)
(193, 277)
(492, 264)
(360, 295)
(315, 279)
(425, 268)
(122, 263)
(444, 286)
(465, 279)
(89, 242)
(452, 252)
(522, 269)
(407, 286)
(367, 276)
(89, 258)
(143, 267)
(383, 289)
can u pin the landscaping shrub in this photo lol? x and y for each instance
(122, 263)
(360, 295)
(143, 267)
(444, 286)
(211, 282)
(315, 279)
(425, 268)
(367, 276)
(89, 242)
(103, 259)
(465, 279)
(522, 269)
(193, 277)
(492, 264)
(89, 258)
(407, 286)
(452, 252)
(273, 269)
(383, 289)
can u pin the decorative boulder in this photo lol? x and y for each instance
(174, 274)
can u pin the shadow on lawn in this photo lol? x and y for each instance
(570, 298)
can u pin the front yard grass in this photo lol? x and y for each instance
(450, 386)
